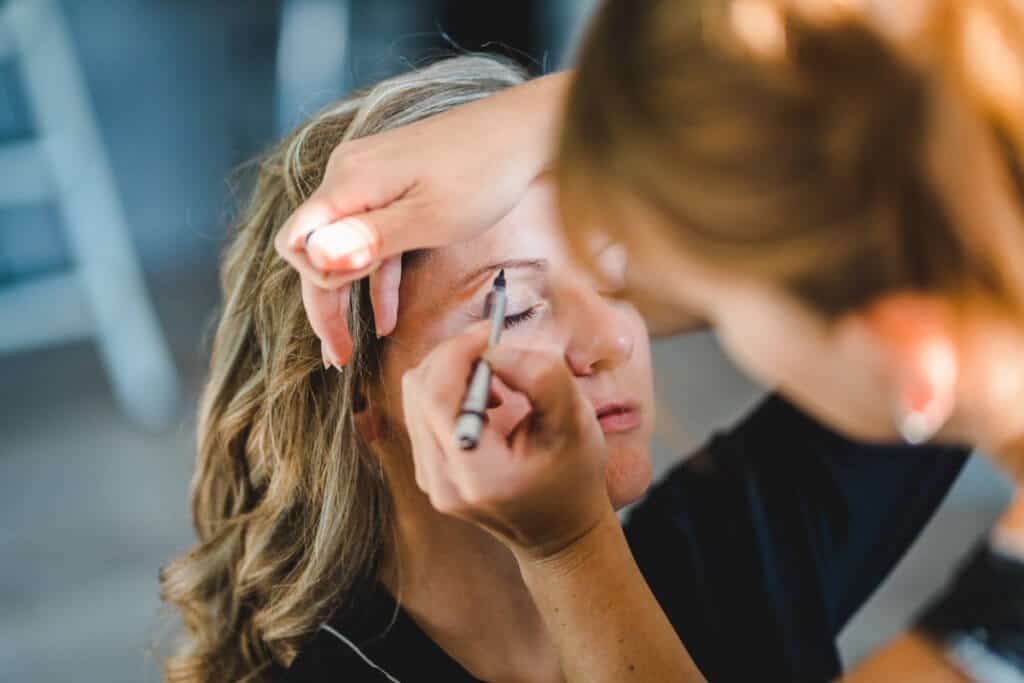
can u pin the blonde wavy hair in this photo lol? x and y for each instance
(291, 510)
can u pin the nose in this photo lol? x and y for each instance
(600, 339)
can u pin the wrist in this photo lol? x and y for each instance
(538, 115)
(567, 556)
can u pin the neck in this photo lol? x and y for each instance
(464, 589)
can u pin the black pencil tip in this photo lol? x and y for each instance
(500, 280)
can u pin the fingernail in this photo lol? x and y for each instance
(323, 356)
(346, 243)
(359, 259)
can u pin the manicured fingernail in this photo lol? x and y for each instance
(323, 355)
(346, 243)
(359, 259)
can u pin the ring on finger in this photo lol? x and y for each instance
(305, 240)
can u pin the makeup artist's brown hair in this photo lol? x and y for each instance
(794, 146)
(290, 508)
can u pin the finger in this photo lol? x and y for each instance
(384, 285)
(439, 487)
(442, 416)
(542, 377)
(315, 212)
(428, 454)
(346, 245)
(327, 311)
(446, 370)
(443, 378)
(374, 235)
(327, 279)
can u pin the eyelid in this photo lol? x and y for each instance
(523, 316)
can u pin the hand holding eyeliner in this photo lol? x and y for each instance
(472, 415)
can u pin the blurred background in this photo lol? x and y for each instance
(121, 124)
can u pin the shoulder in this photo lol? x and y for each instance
(351, 644)
(329, 656)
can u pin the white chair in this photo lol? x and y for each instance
(103, 296)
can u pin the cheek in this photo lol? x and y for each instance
(638, 373)
(628, 473)
(629, 466)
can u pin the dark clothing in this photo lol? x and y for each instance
(759, 549)
(782, 530)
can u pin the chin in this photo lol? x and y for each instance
(628, 475)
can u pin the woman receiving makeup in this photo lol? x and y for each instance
(835, 187)
(321, 558)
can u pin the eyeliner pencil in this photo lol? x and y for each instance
(473, 413)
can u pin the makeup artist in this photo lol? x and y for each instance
(841, 197)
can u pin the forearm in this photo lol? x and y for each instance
(528, 118)
(603, 617)
(908, 659)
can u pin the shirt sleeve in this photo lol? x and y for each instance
(761, 547)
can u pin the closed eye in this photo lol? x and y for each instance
(519, 318)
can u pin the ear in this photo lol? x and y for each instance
(915, 334)
(365, 417)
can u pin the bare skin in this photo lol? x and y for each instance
(460, 583)
(586, 567)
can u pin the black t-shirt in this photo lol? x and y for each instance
(759, 549)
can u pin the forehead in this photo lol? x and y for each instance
(528, 231)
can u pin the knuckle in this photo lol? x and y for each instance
(421, 484)
(343, 158)
(409, 385)
(473, 494)
(425, 201)
(444, 503)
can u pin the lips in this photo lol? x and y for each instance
(618, 417)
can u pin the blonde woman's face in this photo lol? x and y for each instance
(551, 305)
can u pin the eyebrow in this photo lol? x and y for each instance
(540, 265)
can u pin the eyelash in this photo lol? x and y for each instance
(519, 318)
